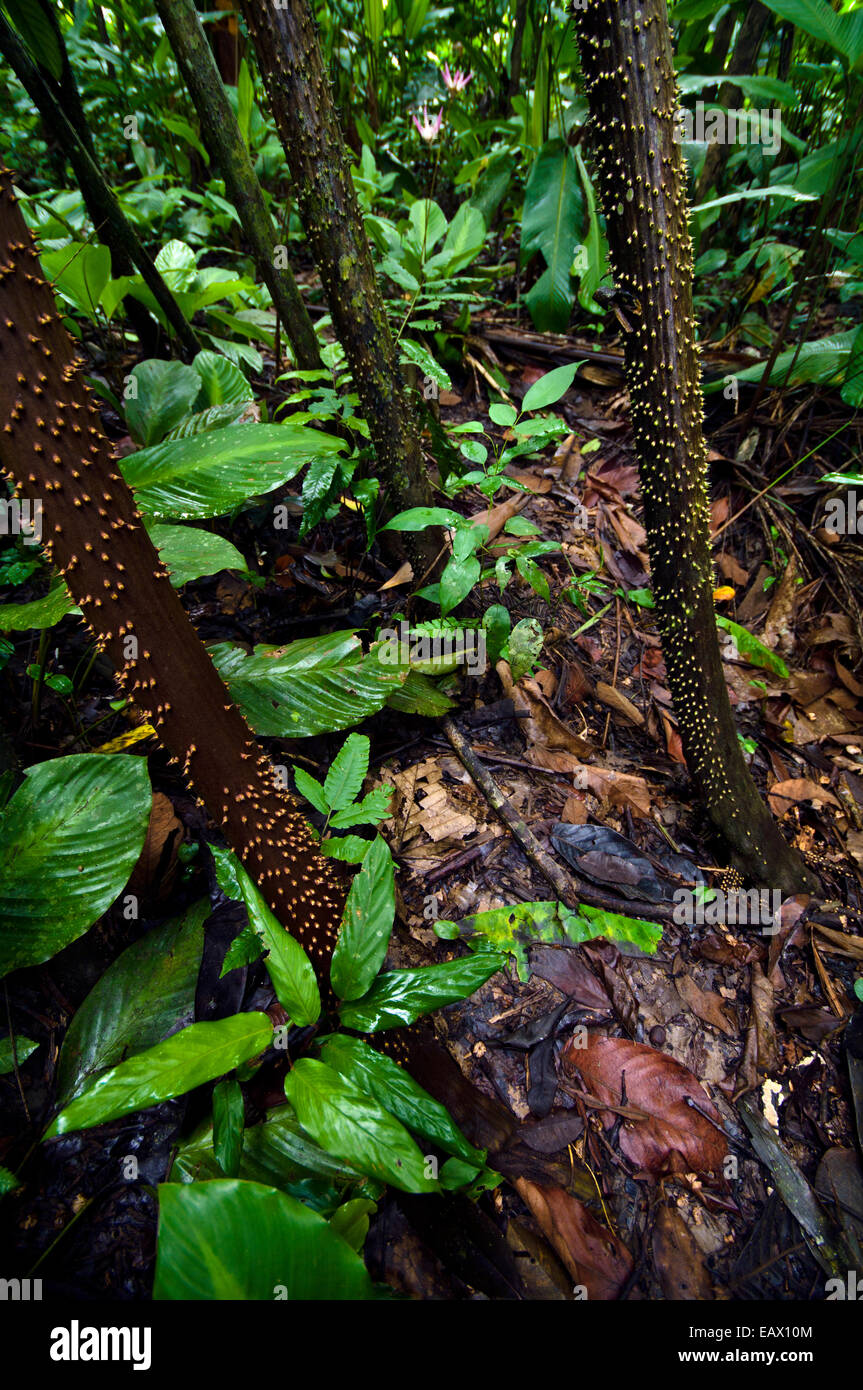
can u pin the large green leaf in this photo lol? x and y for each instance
(80, 272)
(148, 991)
(191, 1057)
(351, 1124)
(277, 1152)
(36, 30)
(347, 771)
(366, 925)
(10, 1057)
(550, 224)
(69, 839)
(843, 32)
(229, 1239)
(158, 396)
(823, 360)
(389, 1083)
(289, 967)
(191, 553)
(208, 474)
(313, 686)
(401, 996)
(221, 381)
(39, 613)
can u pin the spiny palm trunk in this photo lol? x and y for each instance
(52, 449)
(223, 139)
(301, 102)
(626, 59)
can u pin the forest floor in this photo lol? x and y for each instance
(586, 753)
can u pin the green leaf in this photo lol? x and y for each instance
(402, 996)
(197, 1054)
(496, 624)
(221, 382)
(842, 32)
(352, 849)
(366, 925)
(530, 571)
(227, 1240)
(191, 553)
(309, 787)
(228, 1123)
(158, 396)
(80, 272)
(289, 967)
(245, 101)
(754, 651)
(418, 518)
(209, 474)
(524, 646)
(370, 811)
(8, 1182)
(345, 777)
(502, 414)
(147, 992)
(457, 581)
(852, 386)
(347, 1122)
(276, 1152)
(245, 949)
(313, 686)
(390, 1084)
(428, 225)
(38, 34)
(550, 224)
(419, 695)
(69, 839)
(40, 612)
(24, 1047)
(351, 1221)
(550, 387)
(465, 239)
(422, 358)
(215, 417)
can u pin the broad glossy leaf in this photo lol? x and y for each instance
(148, 991)
(158, 396)
(351, 1124)
(191, 553)
(221, 382)
(751, 649)
(24, 1047)
(389, 1083)
(550, 387)
(197, 1054)
(209, 474)
(276, 1152)
(39, 613)
(313, 686)
(551, 221)
(288, 965)
(401, 996)
(366, 925)
(228, 1122)
(69, 839)
(229, 1240)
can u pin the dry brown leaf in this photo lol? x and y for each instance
(783, 795)
(767, 1046)
(706, 1006)
(683, 1129)
(594, 1257)
(541, 726)
(612, 697)
(678, 1261)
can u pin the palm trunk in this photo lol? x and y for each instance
(301, 101)
(52, 449)
(626, 59)
(222, 137)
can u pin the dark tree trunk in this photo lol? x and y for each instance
(52, 449)
(222, 137)
(742, 61)
(301, 101)
(626, 59)
(110, 224)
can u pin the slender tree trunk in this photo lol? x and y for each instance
(52, 449)
(110, 224)
(226, 145)
(626, 59)
(742, 61)
(301, 101)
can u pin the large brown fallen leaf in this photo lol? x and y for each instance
(592, 1254)
(683, 1131)
(540, 725)
(783, 795)
(678, 1261)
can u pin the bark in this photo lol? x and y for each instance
(110, 224)
(52, 449)
(301, 102)
(222, 137)
(626, 59)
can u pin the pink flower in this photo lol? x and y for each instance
(455, 81)
(429, 126)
